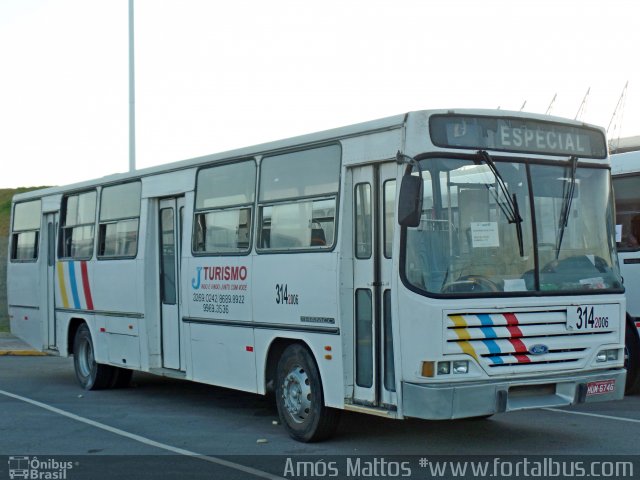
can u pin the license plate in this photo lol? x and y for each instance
(601, 387)
(585, 318)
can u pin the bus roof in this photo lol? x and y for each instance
(382, 124)
(628, 162)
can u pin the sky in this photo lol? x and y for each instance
(211, 76)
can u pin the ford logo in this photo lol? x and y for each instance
(538, 349)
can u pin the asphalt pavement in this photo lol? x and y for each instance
(167, 428)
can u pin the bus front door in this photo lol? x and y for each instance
(373, 214)
(170, 227)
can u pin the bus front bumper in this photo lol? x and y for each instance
(474, 399)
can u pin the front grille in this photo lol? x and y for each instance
(503, 342)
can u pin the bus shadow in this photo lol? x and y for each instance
(503, 433)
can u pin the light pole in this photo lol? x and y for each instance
(132, 96)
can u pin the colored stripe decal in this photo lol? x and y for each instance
(512, 325)
(516, 334)
(63, 287)
(463, 335)
(468, 349)
(85, 285)
(458, 321)
(74, 285)
(490, 333)
(487, 325)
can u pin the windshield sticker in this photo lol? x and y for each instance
(593, 283)
(514, 285)
(484, 234)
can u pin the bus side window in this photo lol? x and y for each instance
(119, 220)
(77, 226)
(25, 231)
(297, 199)
(628, 211)
(224, 208)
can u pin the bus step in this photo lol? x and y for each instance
(167, 372)
(380, 412)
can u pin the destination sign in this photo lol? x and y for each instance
(516, 135)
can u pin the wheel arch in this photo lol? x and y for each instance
(74, 325)
(274, 352)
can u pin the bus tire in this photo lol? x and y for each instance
(632, 360)
(300, 399)
(121, 377)
(90, 375)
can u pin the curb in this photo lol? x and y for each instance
(22, 353)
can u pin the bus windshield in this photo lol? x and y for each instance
(469, 241)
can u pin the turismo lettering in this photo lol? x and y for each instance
(225, 273)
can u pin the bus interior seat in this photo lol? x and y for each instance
(317, 237)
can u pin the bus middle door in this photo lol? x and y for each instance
(170, 228)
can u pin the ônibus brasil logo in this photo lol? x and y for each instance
(35, 468)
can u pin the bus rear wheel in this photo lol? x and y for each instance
(90, 374)
(300, 399)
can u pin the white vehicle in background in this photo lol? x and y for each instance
(436, 264)
(625, 170)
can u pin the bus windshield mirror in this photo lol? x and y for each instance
(567, 199)
(510, 205)
(410, 201)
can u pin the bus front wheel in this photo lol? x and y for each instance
(300, 399)
(632, 360)
(90, 374)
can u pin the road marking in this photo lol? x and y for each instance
(608, 417)
(146, 441)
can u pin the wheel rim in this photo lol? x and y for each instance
(85, 358)
(296, 393)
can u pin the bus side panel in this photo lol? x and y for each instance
(630, 270)
(217, 288)
(217, 309)
(23, 298)
(223, 355)
(300, 290)
(114, 286)
(297, 293)
(101, 286)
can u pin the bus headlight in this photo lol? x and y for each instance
(444, 368)
(461, 366)
(607, 355)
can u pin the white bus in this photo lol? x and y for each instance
(625, 168)
(486, 283)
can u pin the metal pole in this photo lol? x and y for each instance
(132, 96)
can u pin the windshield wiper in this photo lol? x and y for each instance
(510, 206)
(567, 200)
